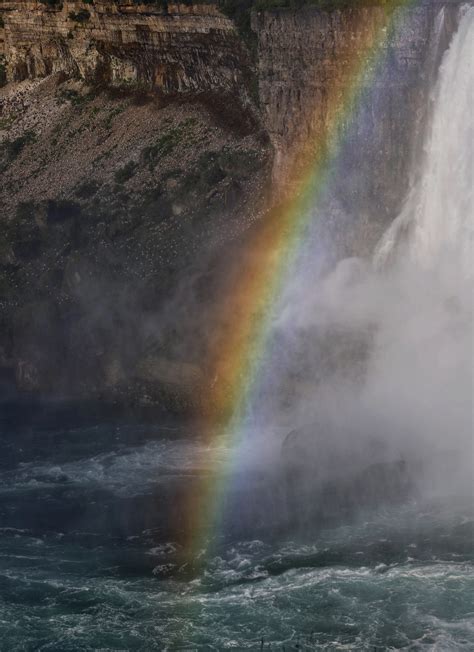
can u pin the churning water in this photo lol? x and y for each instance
(88, 560)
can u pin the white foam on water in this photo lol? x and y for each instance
(132, 468)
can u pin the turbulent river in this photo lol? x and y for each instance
(84, 564)
(88, 556)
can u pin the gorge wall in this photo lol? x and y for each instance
(137, 146)
(178, 49)
(305, 61)
(131, 152)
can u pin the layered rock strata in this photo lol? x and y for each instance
(185, 48)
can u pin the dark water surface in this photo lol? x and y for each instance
(88, 562)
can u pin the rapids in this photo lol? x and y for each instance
(88, 557)
(86, 564)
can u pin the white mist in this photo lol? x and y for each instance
(413, 393)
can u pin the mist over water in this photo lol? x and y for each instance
(348, 518)
(381, 351)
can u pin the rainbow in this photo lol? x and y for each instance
(252, 299)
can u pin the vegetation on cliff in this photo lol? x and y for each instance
(120, 174)
(105, 205)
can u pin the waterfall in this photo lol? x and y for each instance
(436, 222)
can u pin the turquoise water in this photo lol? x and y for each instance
(87, 561)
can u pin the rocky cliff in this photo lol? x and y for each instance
(305, 63)
(172, 48)
(135, 154)
(131, 152)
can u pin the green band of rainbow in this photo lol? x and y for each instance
(250, 303)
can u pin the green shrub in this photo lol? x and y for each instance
(164, 146)
(82, 16)
(25, 210)
(13, 148)
(71, 95)
(126, 172)
(6, 286)
(239, 163)
(113, 114)
(23, 232)
(68, 94)
(3, 71)
(87, 189)
(167, 142)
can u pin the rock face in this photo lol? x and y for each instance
(134, 155)
(180, 49)
(131, 152)
(117, 215)
(308, 58)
